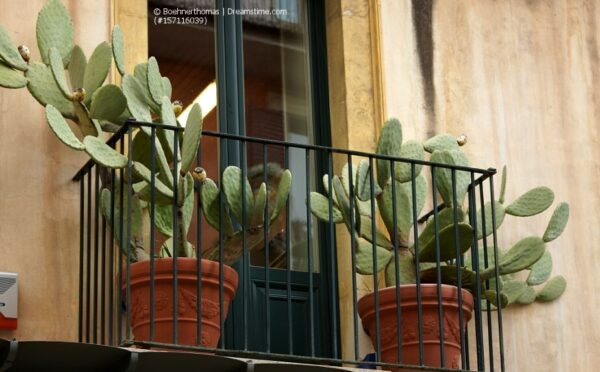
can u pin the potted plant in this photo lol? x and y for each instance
(452, 221)
(72, 87)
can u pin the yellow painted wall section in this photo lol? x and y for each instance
(356, 102)
(520, 78)
(39, 203)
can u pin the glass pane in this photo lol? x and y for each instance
(184, 45)
(277, 103)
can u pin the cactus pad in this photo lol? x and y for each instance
(492, 297)
(104, 154)
(155, 83)
(447, 243)
(232, 187)
(366, 231)
(136, 99)
(390, 142)
(553, 289)
(62, 130)
(532, 202)
(144, 173)
(58, 71)
(513, 289)
(364, 257)
(43, 88)
(118, 49)
(141, 74)
(410, 150)
(167, 87)
(404, 215)
(191, 137)
(444, 175)
(468, 278)
(445, 218)
(319, 205)
(441, 142)
(164, 213)
(54, 29)
(503, 186)
(97, 69)
(557, 223)
(527, 297)
(211, 208)
(489, 226)
(406, 270)
(108, 103)
(9, 53)
(541, 270)
(167, 136)
(522, 255)
(362, 180)
(77, 67)
(283, 190)
(10, 78)
(260, 202)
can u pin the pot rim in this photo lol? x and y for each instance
(140, 271)
(408, 292)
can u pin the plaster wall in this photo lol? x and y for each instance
(520, 79)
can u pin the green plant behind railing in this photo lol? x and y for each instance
(527, 254)
(72, 87)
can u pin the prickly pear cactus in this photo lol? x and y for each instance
(399, 184)
(96, 107)
(222, 206)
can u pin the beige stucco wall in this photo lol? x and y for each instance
(39, 205)
(520, 78)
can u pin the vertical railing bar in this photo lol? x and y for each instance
(396, 260)
(111, 258)
(331, 232)
(288, 258)
(487, 282)
(122, 248)
(103, 275)
(129, 234)
(475, 264)
(309, 249)
(267, 256)
(245, 250)
(81, 244)
(176, 237)
(152, 218)
(375, 268)
(353, 253)
(438, 267)
(413, 175)
(458, 270)
(497, 275)
(467, 356)
(221, 258)
(199, 250)
(88, 258)
(96, 249)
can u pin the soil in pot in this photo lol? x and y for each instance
(187, 301)
(410, 326)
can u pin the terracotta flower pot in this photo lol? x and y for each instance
(187, 315)
(410, 325)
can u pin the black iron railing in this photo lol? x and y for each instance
(296, 303)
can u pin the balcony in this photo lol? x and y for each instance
(293, 271)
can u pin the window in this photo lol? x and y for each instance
(258, 62)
